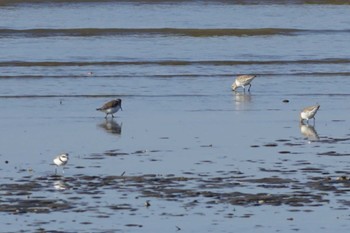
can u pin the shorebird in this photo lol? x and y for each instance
(309, 113)
(111, 107)
(147, 203)
(61, 160)
(242, 81)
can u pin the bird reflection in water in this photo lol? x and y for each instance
(111, 126)
(241, 99)
(309, 132)
(60, 185)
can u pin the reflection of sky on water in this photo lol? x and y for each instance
(60, 185)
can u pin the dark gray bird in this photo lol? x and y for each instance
(111, 107)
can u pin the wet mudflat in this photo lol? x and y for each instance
(28, 195)
(186, 154)
(107, 197)
(171, 173)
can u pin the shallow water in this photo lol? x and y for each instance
(206, 158)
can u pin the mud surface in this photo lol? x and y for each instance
(31, 194)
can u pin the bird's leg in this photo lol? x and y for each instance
(112, 116)
(55, 170)
(106, 115)
(243, 89)
(249, 87)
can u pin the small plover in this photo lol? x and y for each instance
(111, 107)
(242, 81)
(147, 204)
(61, 160)
(309, 113)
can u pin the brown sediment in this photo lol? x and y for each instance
(133, 225)
(271, 145)
(28, 195)
(34, 206)
(191, 189)
(282, 140)
(333, 140)
(284, 152)
(333, 153)
(293, 144)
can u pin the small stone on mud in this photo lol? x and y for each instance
(284, 152)
(271, 144)
(133, 225)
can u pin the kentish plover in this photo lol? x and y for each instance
(61, 160)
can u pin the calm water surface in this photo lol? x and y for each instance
(172, 63)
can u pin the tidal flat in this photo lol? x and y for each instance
(186, 154)
(170, 162)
